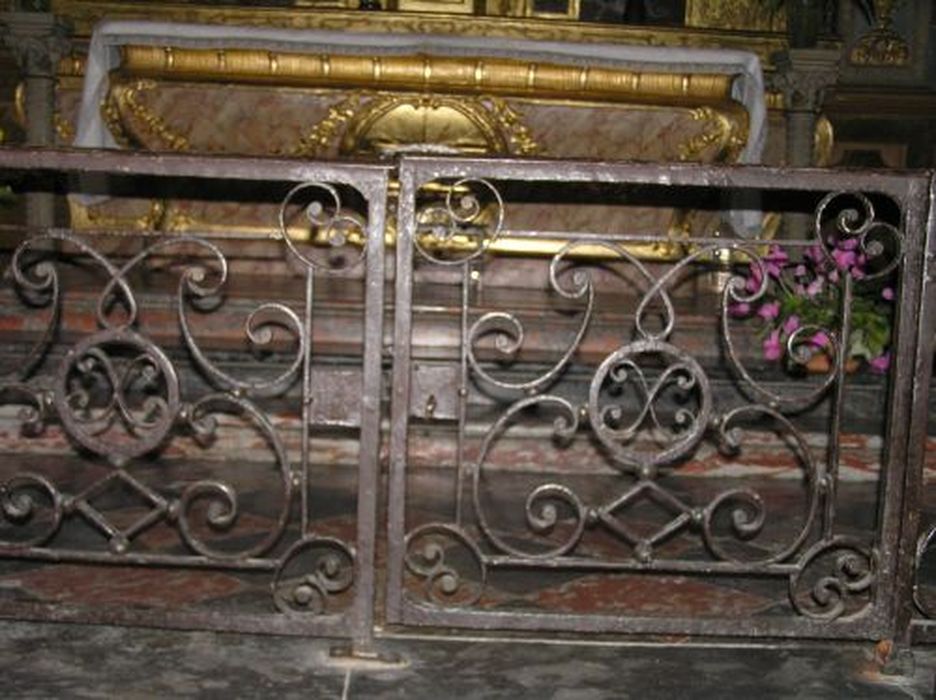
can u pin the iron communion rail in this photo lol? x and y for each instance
(614, 458)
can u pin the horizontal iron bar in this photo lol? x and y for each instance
(222, 167)
(675, 567)
(868, 627)
(68, 556)
(665, 174)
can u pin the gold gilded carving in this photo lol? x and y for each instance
(72, 66)
(882, 46)
(110, 112)
(518, 135)
(421, 73)
(331, 4)
(726, 135)
(84, 14)
(774, 99)
(325, 132)
(746, 15)
(98, 218)
(124, 99)
(64, 128)
(19, 104)
(380, 123)
(460, 7)
(394, 123)
(823, 142)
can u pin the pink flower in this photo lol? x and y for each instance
(821, 340)
(799, 271)
(887, 293)
(775, 260)
(791, 324)
(847, 244)
(844, 259)
(754, 280)
(814, 287)
(814, 253)
(769, 311)
(772, 348)
(880, 364)
(834, 276)
(739, 309)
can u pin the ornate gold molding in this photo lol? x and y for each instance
(728, 135)
(19, 104)
(421, 73)
(747, 15)
(823, 142)
(458, 7)
(64, 128)
(326, 131)
(123, 98)
(518, 134)
(882, 46)
(84, 14)
(98, 218)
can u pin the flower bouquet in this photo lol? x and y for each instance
(802, 304)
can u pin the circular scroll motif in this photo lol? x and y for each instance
(117, 394)
(637, 375)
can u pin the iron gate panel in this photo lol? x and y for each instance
(128, 400)
(584, 394)
(916, 612)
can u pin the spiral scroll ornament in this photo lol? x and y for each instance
(449, 564)
(835, 580)
(221, 510)
(924, 603)
(117, 394)
(201, 285)
(745, 508)
(31, 509)
(312, 573)
(331, 228)
(626, 411)
(848, 219)
(469, 219)
(508, 332)
(545, 503)
(36, 282)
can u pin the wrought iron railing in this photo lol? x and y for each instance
(590, 442)
(120, 400)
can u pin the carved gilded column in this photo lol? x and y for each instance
(37, 41)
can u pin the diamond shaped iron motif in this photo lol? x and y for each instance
(118, 539)
(654, 493)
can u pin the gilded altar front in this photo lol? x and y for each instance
(327, 104)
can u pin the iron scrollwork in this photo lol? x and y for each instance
(118, 397)
(831, 578)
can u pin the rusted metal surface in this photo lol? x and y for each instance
(915, 610)
(117, 395)
(587, 366)
(838, 581)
